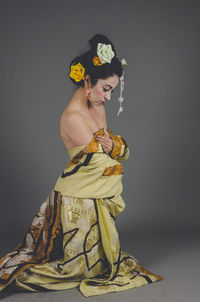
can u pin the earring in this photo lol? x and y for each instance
(87, 92)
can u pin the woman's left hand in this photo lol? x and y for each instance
(105, 141)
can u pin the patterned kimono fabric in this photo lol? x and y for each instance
(72, 240)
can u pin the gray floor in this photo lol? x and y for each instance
(174, 256)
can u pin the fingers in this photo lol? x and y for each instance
(106, 142)
(106, 131)
(104, 138)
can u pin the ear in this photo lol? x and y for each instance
(87, 81)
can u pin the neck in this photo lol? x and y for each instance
(82, 99)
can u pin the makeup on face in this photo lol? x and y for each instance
(108, 89)
(108, 86)
(101, 92)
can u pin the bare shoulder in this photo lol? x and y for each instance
(74, 129)
(71, 118)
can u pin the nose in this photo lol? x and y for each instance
(108, 95)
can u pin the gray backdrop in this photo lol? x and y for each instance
(160, 41)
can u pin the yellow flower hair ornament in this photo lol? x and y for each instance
(77, 72)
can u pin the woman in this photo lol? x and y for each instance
(72, 240)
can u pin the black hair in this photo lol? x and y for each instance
(101, 71)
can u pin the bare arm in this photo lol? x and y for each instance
(105, 140)
(73, 128)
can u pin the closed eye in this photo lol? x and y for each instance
(108, 90)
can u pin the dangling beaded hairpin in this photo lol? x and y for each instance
(120, 99)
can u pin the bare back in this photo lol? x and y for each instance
(77, 125)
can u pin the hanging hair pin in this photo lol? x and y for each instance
(120, 99)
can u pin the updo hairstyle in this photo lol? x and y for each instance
(97, 72)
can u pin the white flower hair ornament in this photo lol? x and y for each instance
(105, 52)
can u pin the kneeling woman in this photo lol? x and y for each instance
(72, 240)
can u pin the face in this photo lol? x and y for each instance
(101, 91)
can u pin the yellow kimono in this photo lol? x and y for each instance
(72, 240)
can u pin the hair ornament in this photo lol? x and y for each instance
(105, 52)
(77, 72)
(97, 61)
(121, 99)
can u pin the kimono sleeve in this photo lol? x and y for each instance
(120, 150)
